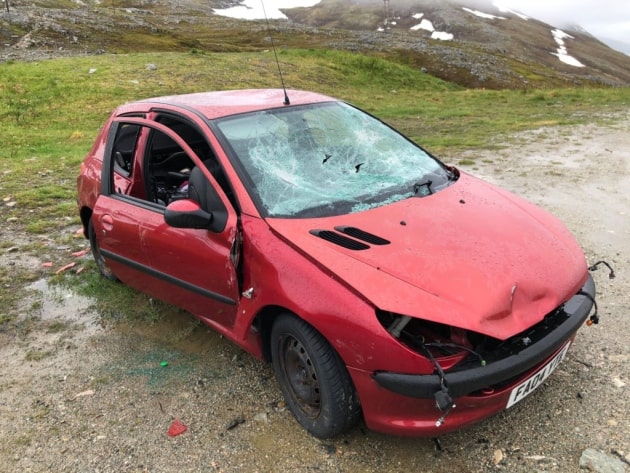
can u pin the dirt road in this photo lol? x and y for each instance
(79, 396)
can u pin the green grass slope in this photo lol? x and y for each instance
(51, 111)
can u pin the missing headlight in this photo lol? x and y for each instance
(449, 345)
(456, 348)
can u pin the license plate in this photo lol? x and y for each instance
(534, 381)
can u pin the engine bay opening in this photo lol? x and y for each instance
(457, 348)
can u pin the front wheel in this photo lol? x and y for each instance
(103, 269)
(314, 381)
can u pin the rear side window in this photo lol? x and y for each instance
(125, 149)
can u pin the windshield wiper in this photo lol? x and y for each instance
(423, 188)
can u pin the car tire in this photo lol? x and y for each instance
(314, 381)
(101, 265)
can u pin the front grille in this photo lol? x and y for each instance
(493, 350)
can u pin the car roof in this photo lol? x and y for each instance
(230, 102)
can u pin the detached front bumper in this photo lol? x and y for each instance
(404, 404)
(461, 383)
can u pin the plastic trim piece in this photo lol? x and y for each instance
(165, 277)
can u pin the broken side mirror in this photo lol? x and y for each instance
(186, 213)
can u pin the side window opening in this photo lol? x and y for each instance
(200, 146)
(123, 156)
(166, 169)
(124, 149)
(159, 171)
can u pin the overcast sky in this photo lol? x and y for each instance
(602, 18)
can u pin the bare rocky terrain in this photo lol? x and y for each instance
(79, 393)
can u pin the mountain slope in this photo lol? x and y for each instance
(617, 45)
(473, 45)
(511, 37)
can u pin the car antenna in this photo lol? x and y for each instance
(286, 97)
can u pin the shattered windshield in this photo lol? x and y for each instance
(327, 159)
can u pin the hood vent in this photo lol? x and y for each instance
(363, 235)
(340, 240)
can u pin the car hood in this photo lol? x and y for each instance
(471, 256)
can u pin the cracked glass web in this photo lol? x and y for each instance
(325, 159)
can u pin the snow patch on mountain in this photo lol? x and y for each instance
(559, 36)
(427, 25)
(481, 14)
(254, 9)
(503, 9)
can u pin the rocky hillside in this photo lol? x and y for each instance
(474, 45)
(472, 31)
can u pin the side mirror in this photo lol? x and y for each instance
(186, 213)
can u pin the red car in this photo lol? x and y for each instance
(378, 281)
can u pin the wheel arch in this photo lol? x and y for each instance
(264, 321)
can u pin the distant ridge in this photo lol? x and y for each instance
(620, 46)
(481, 26)
(474, 44)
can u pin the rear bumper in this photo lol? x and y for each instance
(461, 383)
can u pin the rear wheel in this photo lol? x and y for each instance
(103, 269)
(314, 381)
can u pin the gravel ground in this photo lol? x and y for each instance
(77, 395)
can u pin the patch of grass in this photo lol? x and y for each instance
(187, 331)
(114, 301)
(40, 226)
(22, 441)
(51, 111)
(12, 282)
(37, 355)
(40, 410)
(23, 326)
(56, 327)
(37, 306)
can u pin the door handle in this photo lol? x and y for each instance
(108, 222)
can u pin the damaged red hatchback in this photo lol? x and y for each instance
(378, 281)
